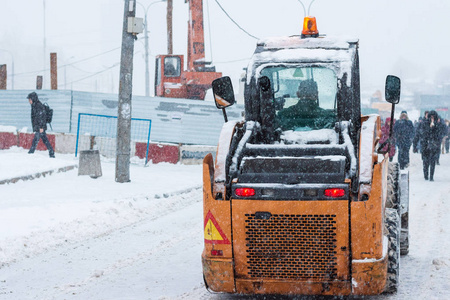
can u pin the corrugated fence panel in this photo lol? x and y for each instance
(173, 120)
(16, 111)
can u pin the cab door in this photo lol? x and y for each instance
(168, 76)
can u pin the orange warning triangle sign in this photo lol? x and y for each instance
(213, 232)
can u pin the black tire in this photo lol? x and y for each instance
(392, 227)
(404, 204)
(404, 236)
(393, 196)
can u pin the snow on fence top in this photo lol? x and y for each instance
(10, 129)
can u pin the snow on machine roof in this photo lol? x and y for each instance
(297, 42)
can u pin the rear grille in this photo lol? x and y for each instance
(291, 246)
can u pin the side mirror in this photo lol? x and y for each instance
(264, 83)
(223, 92)
(392, 89)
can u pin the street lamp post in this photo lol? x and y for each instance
(147, 74)
(12, 66)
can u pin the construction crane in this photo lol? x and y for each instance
(170, 78)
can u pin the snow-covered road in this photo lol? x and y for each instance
(80, 238)
(132, 262)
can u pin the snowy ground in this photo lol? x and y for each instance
(73, 237)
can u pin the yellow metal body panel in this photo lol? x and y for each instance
(218, 270)
(227, 224)
(305, 244)
(367, 218)
(337, 288)
(218, 274)
(369, 276)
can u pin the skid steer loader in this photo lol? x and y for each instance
(300, 200)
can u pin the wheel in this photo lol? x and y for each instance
(404, 236)
(392, 226)
(393, 197)
(404, 207)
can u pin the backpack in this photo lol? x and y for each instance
(48, 113)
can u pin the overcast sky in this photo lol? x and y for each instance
(408, 38)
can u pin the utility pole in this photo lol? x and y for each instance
(53, 71)
(147, 75)
(45, 39)
(39, 81)
(125, 93)
(169, 27)
(12, 65)
(3, 77)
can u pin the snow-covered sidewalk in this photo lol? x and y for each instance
(45, 212)
(16, 163)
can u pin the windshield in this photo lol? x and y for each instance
(304, 97)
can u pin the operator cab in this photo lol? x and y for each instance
(168, 75)
(302, 109)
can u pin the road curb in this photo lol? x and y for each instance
(38, 175)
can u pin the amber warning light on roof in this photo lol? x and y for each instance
(310, 27)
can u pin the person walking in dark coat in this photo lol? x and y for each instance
(404, 135)
(430, 140)
(39, 123)
(443, 132)
(418, 131)
(447, 138)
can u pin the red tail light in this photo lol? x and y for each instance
(335, 193)
(216, 253)
(245, 192)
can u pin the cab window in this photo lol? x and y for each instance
(172, 66)
(304, 97)
(158, 71)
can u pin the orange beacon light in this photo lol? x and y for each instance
(310, 27)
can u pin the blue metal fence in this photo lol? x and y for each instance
(104, 126)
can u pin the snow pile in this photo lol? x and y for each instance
(222, 151)
(11, 129)
(368, 132)
(322, 136)
(298, 42)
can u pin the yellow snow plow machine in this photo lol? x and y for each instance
(300, 200)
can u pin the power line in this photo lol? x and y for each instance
(79, 69)
(232, 61)
(75, 62)
(92, 75)
(235, 21)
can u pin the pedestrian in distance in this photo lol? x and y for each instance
(39, 123)
(385, 129)
(416, 129)
(417, 134)
(404, 135)
(443, 132)
(446, 138)
(430, 140)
